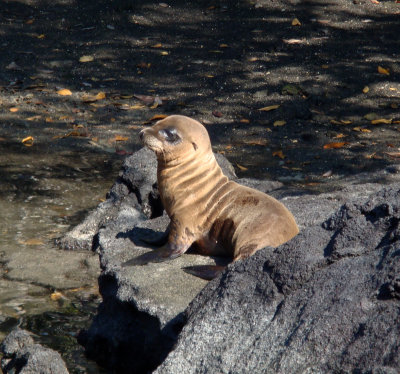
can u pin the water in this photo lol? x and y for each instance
(48, 291)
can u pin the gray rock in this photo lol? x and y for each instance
(327, 301)
(307, 306)
(21, 355)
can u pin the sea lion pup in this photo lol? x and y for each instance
(218, 216)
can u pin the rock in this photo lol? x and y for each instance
(21, 355)
(320, 303)
(315, 304)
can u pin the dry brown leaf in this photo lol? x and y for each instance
(244, 120)
(241, 167)
(338, 136)
(34, 118)
(293, 41)
(164, 53)
(49, 119)
(41, 36)
(296, 22)
(28, 141)
(13, 109)
(86, 58)
(278, 154)
(393, 154)
(325, 66)
(365, 89)
(382, 70)
(360, 129)
(157, 117)
(345, 122)
(268, 108)
(256, 142)
(223, 45)
(119, 138)
(380, 121)
(64, 92)
(279, 123)
(217, 114)
(56, 296)
(335, 145)
(100, 96)
(334, 122)
(158, 45)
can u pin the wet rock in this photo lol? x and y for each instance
(21, 355)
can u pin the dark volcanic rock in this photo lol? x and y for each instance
(23, 356)
(327, 301)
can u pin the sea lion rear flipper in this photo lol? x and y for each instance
(207, 272)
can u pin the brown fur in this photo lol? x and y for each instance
(206, 209)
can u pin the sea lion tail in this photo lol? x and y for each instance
(207, 272)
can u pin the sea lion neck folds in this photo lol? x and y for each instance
(218, 216)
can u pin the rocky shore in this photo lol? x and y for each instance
(327, 301)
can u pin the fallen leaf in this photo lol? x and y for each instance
(86, 58)
(41, 36)
(296, 22)
(325, 66)
(345, 122)
(256, 142)
(268, 108)
(241, 167)
(229, 146)
(13, 109)
(144, 65)
(34, 118)
(64, 92)
(56, 296)
(360, 129)
(145, 98)
(158, 116)
(244, 120)
(293, 41)
(371, 116)
(335, 145)
(119, 138)
(216, 113)
(393, 154)
(334, 122)
(290, 89)
(278, 154)
(279, 123)
(91, 99)
(158, 45)
(327, 174)
(365, 89)
(223, 45)
(49, 119)
(382, 70)
(164, 53)
(100, 96)
(338, 136)
(380, 121)
(28, 141)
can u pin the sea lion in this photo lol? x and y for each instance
(218, 216)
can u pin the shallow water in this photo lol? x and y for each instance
(51, 292)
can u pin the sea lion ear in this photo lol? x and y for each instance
(195, 146)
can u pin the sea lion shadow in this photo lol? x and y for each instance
(144, 237)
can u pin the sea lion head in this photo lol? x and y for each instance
(175, 137)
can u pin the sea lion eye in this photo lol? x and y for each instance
(170, 135)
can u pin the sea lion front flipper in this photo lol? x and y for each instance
(207, 272)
